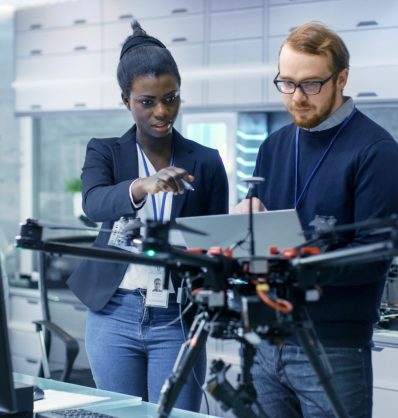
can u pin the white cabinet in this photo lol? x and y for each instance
(188, 57)
(226, 50)
(337, 14)
(61, 41)
(380, 42)
(279, 2)
(111, 95)
(192, 92)
(59, 97)
(238, 24)
(66, 311)
(58, 57)
(24, 305)
(24, 308)
(177, 29)
(20, 339)
(239, 53)
(25, 364)
(219, 5)
(141, 9)
(229, 91)
(385, 372)
(114, 35)
(369, 83)
(70, 315)
(171, 30)
(58, 68)
(74, 13)
(232, 82)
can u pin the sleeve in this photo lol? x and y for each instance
(137, 205)
(376, 197)
(103, 200)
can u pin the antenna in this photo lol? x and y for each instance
(252, 182)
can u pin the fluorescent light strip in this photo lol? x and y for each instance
(252, 137)
(241, 174)
(247, 150)
(245, 163)
(242, 189)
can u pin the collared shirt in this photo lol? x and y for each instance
(335, 118)
(136, 275)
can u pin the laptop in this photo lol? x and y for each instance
(280, 228)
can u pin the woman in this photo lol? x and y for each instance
(151, 172)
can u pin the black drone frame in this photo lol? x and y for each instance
(217, 273)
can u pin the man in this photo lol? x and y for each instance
(156, 285)
(332, 164)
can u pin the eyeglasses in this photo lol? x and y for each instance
(307, 87)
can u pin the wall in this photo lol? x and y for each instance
(66, 55)
(9, 128)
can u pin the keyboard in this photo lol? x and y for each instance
(72, 413)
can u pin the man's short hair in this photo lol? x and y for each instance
(316, 39)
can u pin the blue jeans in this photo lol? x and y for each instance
(129, 354)
(287, 386)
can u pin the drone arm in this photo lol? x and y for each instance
(31, 238)
(349, 266)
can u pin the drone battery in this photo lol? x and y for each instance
(259, 317)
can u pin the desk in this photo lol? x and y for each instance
(385, 372)
(118, 405)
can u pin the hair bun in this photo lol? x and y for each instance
(137, 29)
(139, 38)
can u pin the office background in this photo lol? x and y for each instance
(58, 89)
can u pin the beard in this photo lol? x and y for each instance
(315, 116)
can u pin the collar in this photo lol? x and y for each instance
(335, 118)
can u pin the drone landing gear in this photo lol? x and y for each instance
(242, 400)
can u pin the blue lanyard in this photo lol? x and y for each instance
(154, 206)
(318, 164)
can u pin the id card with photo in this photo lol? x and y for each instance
(119, 238)
(155, 294)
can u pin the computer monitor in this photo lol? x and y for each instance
(14, 402)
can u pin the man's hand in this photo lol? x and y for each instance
(244, 205)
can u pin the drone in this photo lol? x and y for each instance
(247, 299)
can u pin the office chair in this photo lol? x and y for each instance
(47, 329)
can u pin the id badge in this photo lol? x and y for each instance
(155, 294)
(119, 238)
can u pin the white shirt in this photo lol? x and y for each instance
(136, 275)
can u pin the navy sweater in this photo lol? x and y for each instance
(357, 181)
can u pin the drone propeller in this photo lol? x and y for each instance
(181, 227)
(384, 223)
(50, 225)
(131, 225)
